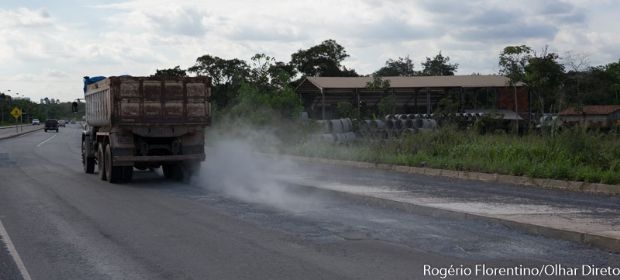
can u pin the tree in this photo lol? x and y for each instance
(578, 66)
(601, 84)
(269, 74)
(387, 104)
(5, 101)
(282, 73)
(261, 107)
(612, 74)
(378, 83)
(545, 76)
(221, 71)
(322, 60)
(170, 73)
(346, 110)
(439, 66)
(512, 63)
(403, 66)
(259, 70)
(227, 76)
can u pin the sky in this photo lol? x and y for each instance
(46, 47)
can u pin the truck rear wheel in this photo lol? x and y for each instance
(181, 171)
(172, 171)
(87, 162)
(101, 162)
(113, 173)
(190, 168)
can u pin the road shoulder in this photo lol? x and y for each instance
(599, 227)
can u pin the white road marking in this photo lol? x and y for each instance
(13, 252)
(41, 144)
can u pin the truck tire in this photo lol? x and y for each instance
(172, 171)
(190, 168)
(112, 173)
(101, 162)
(181, 171)
(87, 162)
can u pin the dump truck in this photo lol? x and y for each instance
(145, 123)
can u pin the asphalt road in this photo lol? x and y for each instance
(238, 221)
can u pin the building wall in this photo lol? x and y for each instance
(507, 100)
(589, 120)
(615, 116)
(414, 100)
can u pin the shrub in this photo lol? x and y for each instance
(570, 155)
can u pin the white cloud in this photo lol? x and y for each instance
(49, 48)
(23, 17)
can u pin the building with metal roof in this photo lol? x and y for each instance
(416, 94)
(602, 116)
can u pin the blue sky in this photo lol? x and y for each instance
(46, 47)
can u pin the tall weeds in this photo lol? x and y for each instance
(573, 154)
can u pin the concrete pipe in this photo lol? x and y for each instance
(426, 123)
(399, 124)
(328, 137)
(380, 124)
(349, 136)
(324, 126)
(347, 125)
(390, 124)
(418, 122)
(335, 126)
(400, 116)
(433, 123)
(408, 123)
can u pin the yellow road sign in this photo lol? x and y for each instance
(16, 112)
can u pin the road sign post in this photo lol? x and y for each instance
(16, 113)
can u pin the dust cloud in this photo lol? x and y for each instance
(245, 165)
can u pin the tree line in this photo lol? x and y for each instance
(47, 108)
(269, 82)
(558, 82)
(555, 82)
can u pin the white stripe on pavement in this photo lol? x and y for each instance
(41, 144)
(13, 252)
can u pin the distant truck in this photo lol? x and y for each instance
(145, 123)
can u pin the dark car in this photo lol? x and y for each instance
(51, 124)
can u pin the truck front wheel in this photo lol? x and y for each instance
(87, 162)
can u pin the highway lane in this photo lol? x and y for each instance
(69, 225)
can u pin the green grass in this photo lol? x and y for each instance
(570, 155)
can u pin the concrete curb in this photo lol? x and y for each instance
(19, 134)
(477, 176)
(602, 242)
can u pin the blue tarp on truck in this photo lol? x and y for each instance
(91, 80)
